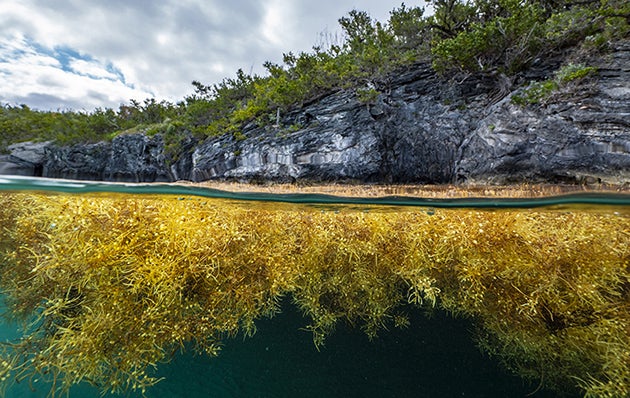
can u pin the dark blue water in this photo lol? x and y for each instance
(434, 357)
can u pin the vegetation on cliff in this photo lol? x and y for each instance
(108, 287)
(500, 38)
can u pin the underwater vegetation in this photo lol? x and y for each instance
(110, 286)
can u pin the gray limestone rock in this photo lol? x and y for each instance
(338, 144)
(137, 158)
(78, 162)
(579, 137)
(25, 158)
(128, 158)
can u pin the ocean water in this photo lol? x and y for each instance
(434, 356)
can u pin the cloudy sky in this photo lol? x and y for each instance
(83, 54)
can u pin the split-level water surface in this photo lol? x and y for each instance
(190, 291)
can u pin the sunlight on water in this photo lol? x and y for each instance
(312, 294)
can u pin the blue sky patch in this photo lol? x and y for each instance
(67, 57)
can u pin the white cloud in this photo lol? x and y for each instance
(90, 53)
(28, 71)
(92, 69)
(278, 22)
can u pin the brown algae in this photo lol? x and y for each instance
(110, 286)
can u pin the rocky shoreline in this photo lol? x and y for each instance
(420, 129)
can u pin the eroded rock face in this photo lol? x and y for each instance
(25, 159)
(128, 158)
(341, 142)
(137, 158)
(79, 162)
(421, 129)
(567, 145)
(408, 135)
(583, 138)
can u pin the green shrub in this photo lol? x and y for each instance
(367, 95)
(540, 92)
(507, 41)
(571, 72)
(536, 92)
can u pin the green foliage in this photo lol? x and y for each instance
(148, 112)
(174, 135)
(451, 17)
(506, 35)
(239, 136)
(20, 123)
(536, 92)
(367, 95)
(539, 92)
(210, 110)
(294, 127)
(571, 72)
(597, 23)
(507, 40)
(409, 28)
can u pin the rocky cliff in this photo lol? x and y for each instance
(421, 129)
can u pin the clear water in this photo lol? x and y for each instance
(434, 357)
(14, 183)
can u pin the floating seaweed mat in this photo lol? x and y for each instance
(108, 286)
